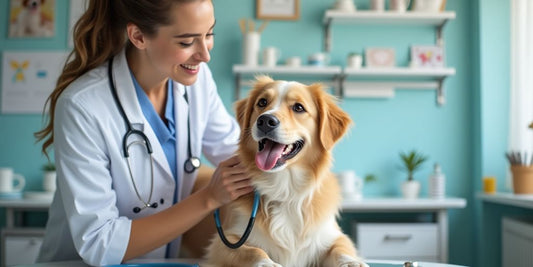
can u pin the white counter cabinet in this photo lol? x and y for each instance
(378, 239)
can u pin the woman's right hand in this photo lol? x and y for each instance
(229, 182)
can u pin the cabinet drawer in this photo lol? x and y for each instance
(397, 240)
(21, 246)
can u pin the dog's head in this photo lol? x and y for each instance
(32, 5)
(288, 123)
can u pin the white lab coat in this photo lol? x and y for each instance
(90, 216)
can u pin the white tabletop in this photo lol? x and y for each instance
(364, 204)
(372, 263)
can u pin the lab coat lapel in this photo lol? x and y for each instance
(128, 99)
(181, 111)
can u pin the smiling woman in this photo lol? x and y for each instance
(121, 167)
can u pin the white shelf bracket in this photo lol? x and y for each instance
(339, 92)
(441, 99)
(439, 39)
(327, 35)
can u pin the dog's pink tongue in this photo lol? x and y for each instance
(266, 159)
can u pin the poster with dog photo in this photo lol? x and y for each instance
(32, 18)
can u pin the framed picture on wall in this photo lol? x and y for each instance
(427, 56)
(378, 57)
(31, 18)
(278, 9)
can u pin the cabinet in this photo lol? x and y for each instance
(517, 242)
(20, 245)
(427, 241)
(398, 241)
(367, 82)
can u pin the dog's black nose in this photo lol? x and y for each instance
(267, 123)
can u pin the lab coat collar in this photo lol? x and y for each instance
(128, 99)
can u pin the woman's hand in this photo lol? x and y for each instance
(229, 182)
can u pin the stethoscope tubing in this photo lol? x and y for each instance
(247, 231)
(125, 147)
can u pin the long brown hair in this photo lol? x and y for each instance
(100, 34)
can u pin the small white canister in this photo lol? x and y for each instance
(293, 62)
(354, 61)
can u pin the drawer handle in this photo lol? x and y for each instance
(397, 238)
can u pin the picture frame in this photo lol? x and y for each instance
(278, 9)
(427, 56)
(31, 19)
(378, 57)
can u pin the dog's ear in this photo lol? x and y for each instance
(240, 112)
(244, 107)
(333, 121)
(261, 81)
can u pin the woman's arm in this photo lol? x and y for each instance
(229, 182)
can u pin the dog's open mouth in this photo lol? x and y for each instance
(272, 154)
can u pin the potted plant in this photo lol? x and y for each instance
(412, 161)
(49, 177)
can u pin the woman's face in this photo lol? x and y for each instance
(177, 49)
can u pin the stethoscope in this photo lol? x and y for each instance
(190, 165)
(248, 229)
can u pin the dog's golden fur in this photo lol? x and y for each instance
(300, 197)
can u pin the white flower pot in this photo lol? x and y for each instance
(410, 189)
(49, 181)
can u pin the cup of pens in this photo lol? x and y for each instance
(522, 171)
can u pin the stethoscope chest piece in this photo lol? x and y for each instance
(191, 164)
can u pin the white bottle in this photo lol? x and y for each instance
(437, 183)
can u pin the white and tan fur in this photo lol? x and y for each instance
(296, 222)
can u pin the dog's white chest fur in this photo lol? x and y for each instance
(289, 236)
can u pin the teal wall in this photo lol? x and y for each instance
(467, 136)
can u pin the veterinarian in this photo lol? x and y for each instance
(115, 201)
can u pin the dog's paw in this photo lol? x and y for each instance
(266, 263)
(347, 261)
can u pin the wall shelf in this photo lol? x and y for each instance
(365, 82)
(341, 80)
(314, 73)
(437, 19)
(411, 78)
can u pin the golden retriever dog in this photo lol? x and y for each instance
(288, 130)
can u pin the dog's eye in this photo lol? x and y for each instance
(298, 108)
(262, 103)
